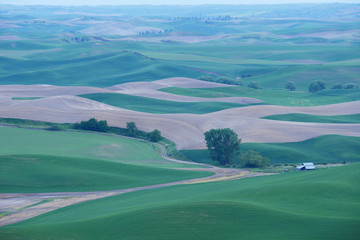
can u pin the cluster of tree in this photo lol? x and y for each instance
(90, 18)
(345, 86)
(131, 129)
(93, 125)
(223, 79)
(77, 39)
(253, 159)
(227, 80)
(317, 85)
(290, 85)
(224, 145)
(35, 21)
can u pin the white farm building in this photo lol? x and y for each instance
(306, 166)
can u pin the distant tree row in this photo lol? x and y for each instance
(147, 33)
(131, 129)
(231, 81)
(207, 19)
(224, 145)
(345, 86)
(318, 85)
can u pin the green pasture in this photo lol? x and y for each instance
(324, 202)
(81, 145)
(298, 117)
(45, 161)
(324, 149)
(45, 173)
(273, 97)
(302, 75)
(25, 98)
(100, 71)
(152, 105)
(109, 63)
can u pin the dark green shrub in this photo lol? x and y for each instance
(254, 85)
(290, 85)
(317, 85)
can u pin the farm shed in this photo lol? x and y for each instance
(306, 166)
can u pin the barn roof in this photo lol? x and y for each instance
(306, 166)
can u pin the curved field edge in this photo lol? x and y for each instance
(324, 149)
(157, 106)
(82, 145)
(296, 117)
(324, 202)
(273, 97)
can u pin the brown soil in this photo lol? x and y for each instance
(187, 130)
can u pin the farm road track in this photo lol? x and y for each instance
(22, 206)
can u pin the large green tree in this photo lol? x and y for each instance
(222, 144)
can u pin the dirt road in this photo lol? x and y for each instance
(17, 207)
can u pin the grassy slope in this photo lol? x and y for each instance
(323, 204)
(105, 64)
(151, 105)
(41, 161)
(44, 173)
(302, 75)
(329, 149)
(297, 117)
(100, 71)
(275, 97)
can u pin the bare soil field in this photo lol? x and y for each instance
(42, 90)
(181, 82)
(179, 98)
(187, 130)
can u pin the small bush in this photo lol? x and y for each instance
(207, 78)
(254, 85)
(55, 128)
(337, 86)
(351, 86)
(225, 80)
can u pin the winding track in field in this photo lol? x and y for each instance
(23, 206)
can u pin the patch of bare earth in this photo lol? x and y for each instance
(42, 90)
(187, 130)
(149, 89)
(118, 28)
(180, 82)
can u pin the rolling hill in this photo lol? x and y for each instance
(324, 202)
